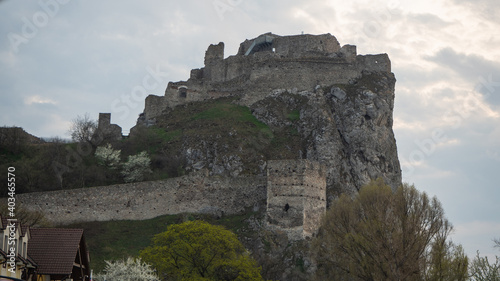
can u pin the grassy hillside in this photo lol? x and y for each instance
(114, 240)
(214, 128)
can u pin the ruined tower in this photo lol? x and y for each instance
(106, 130)
(296, 196)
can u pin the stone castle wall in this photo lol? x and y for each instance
(106, 130)
(294, 193)
(277, 62)
(144, 200)
(296, 196)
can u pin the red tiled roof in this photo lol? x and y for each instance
(54, 249)
(24, 229)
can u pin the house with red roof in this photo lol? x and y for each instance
(43, 254)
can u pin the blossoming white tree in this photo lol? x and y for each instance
(136, 167)
(127, 270)
(108, 156)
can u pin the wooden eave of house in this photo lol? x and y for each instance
(59, 252)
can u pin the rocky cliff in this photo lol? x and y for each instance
(283, 97)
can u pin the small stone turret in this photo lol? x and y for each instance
(214, 53)
(296, 196)
(106, 130)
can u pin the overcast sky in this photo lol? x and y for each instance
(63, 58)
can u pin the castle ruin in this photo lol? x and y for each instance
(342, 104)
(106, 130)
(266, 63)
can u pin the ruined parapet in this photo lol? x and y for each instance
(296, 196)
(374, 63)
(349, 52)
(214, 57)
(106, 130)
(306, 45)
(266, 63)
(214, 53)
(291, 46)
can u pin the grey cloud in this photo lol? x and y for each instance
(485, 73)
(486, 9)
(429, 20)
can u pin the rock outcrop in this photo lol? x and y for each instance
(314, 99)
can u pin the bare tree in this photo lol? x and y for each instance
(83, 129)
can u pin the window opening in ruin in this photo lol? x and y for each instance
(287, 207)
(182, 92)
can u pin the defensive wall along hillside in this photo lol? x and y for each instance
(144, 200)
(293, 194)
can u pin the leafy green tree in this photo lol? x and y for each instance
(136, 167)
(127, 270)
(446, 262)
(379, 234)
(196, 250)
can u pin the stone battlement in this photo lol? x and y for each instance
(266, 63)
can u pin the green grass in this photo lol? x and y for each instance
(120, 239)
(167, 136)
(223, 116)
(115, 240)
(294, 115)
(230, 112)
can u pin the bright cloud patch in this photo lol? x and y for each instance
(38, 100)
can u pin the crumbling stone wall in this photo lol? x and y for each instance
(299, 62)
(294, 191)
(106, 130)
(296, 196)
(195, 193)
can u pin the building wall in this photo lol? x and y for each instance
(4, 271)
